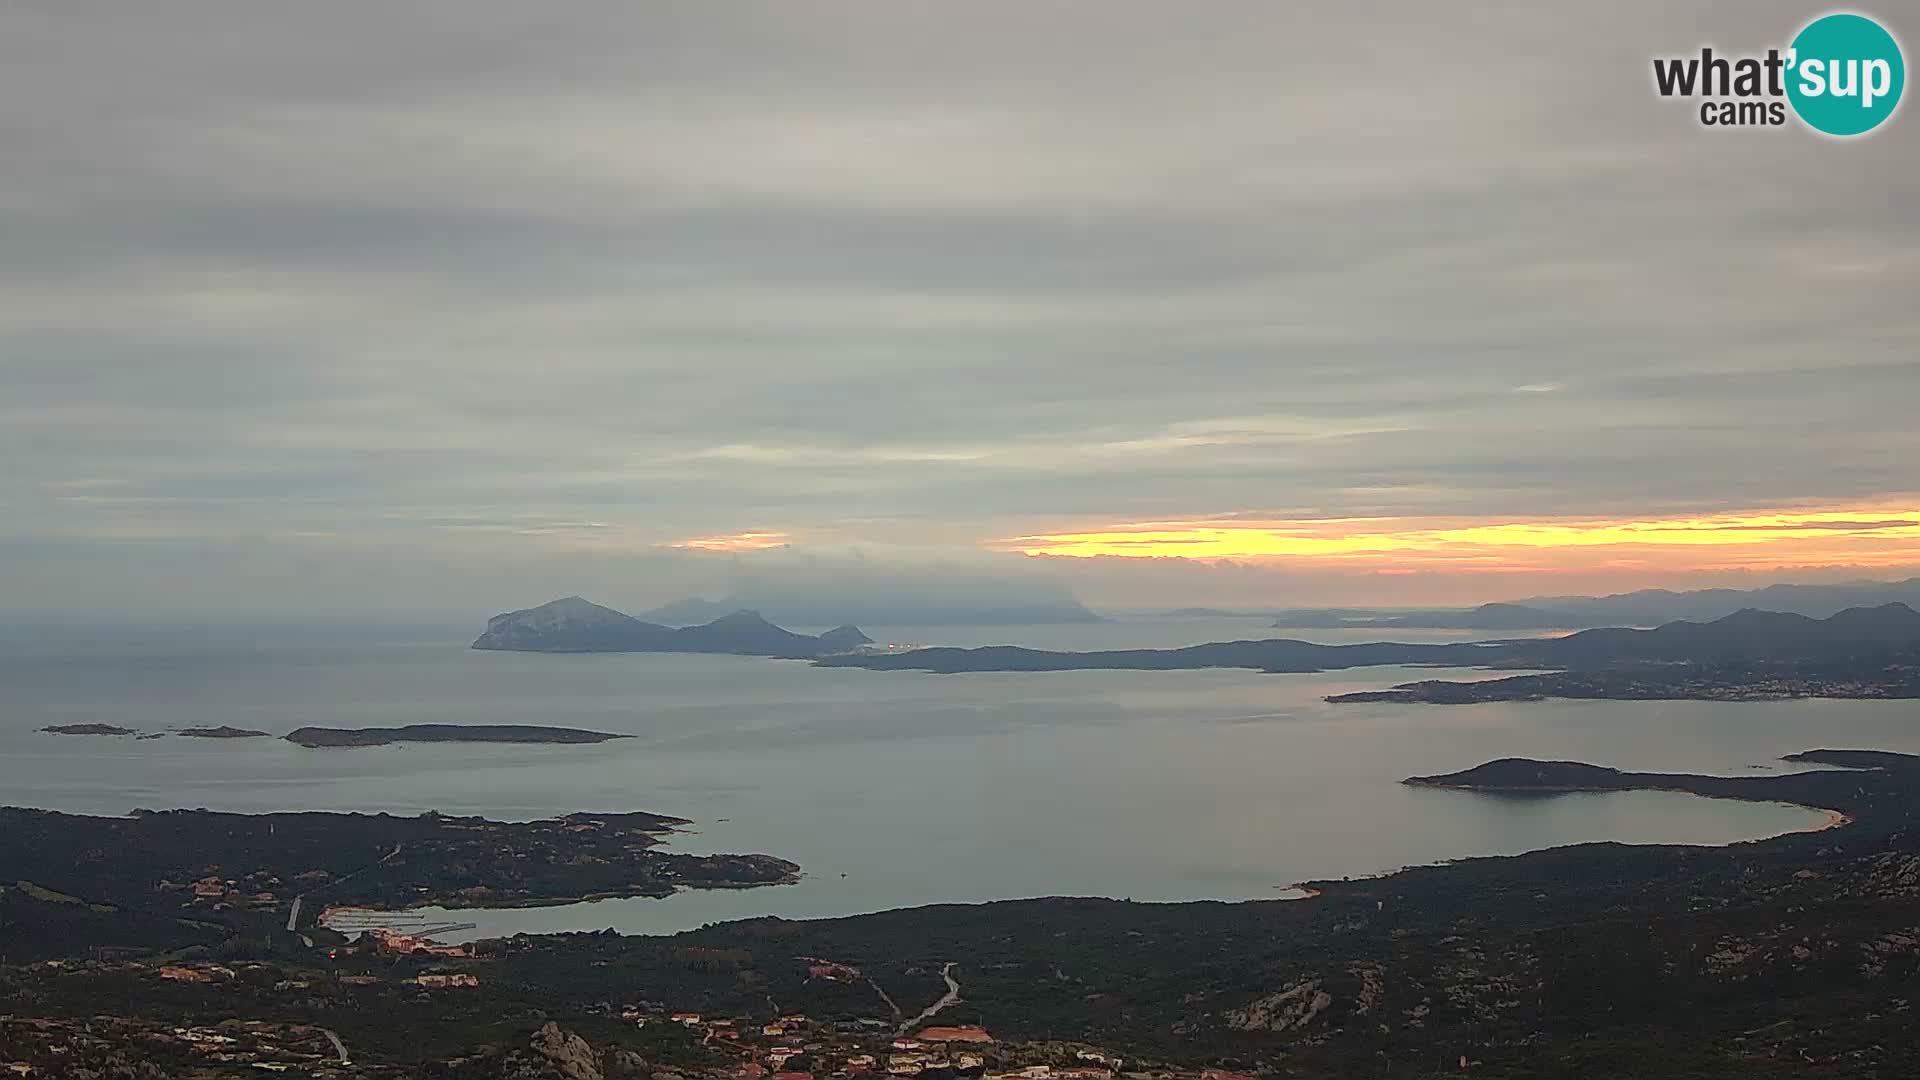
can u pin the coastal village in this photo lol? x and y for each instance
(792, 1046)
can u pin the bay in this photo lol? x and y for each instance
(902, 788)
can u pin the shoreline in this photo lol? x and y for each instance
(1832, 819)
(1312, 889)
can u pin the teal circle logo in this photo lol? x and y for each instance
(1846, 74)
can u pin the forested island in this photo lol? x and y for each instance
(87, 729)
(316, 737)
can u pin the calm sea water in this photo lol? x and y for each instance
(896, 789)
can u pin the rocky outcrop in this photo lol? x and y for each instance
(1289, 1010)
(1895, 874)
(572, 1055)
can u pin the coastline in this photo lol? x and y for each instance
(1832, 819)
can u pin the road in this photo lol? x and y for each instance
(883, 997)
(338, 1046)
(293, 916)
(951, 997)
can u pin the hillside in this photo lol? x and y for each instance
(1888, 630)
(1649, 607)
(1748, 634)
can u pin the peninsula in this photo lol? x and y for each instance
(1893, 676)
(177, 878)
(1820, 790)
(1859, 652)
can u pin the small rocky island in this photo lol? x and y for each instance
(316, 737)
(224, 731)
(86, 729)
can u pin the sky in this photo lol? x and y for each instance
(460, 306)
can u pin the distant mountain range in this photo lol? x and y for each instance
(907, 606)
(574, 625)
(1745, 635)
(1648, 607)
(1484, 617)
(1748, 635)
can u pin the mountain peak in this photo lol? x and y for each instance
(575, 624)
(843, 639)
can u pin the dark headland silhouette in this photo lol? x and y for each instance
(1749, 635)
(574, 625)
(1645, 608)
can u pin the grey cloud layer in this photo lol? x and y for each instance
(483, 279)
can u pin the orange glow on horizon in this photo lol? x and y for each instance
(1749, 540)
(741, 541)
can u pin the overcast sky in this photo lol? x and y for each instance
(436, 306)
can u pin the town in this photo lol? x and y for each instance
(680, 1044)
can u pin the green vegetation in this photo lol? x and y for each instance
(164, 881)
(1796, 955)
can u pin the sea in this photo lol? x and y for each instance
(897, 789)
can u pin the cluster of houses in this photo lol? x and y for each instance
(215, 893)
(796, 1047)
(395, 943)
(257, 1045)
(203, 973)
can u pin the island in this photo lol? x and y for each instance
(574, 625)
(224, 731)
(86, 729)
(316, 737)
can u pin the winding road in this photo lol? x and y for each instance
(338, 1046)
(951, 997)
